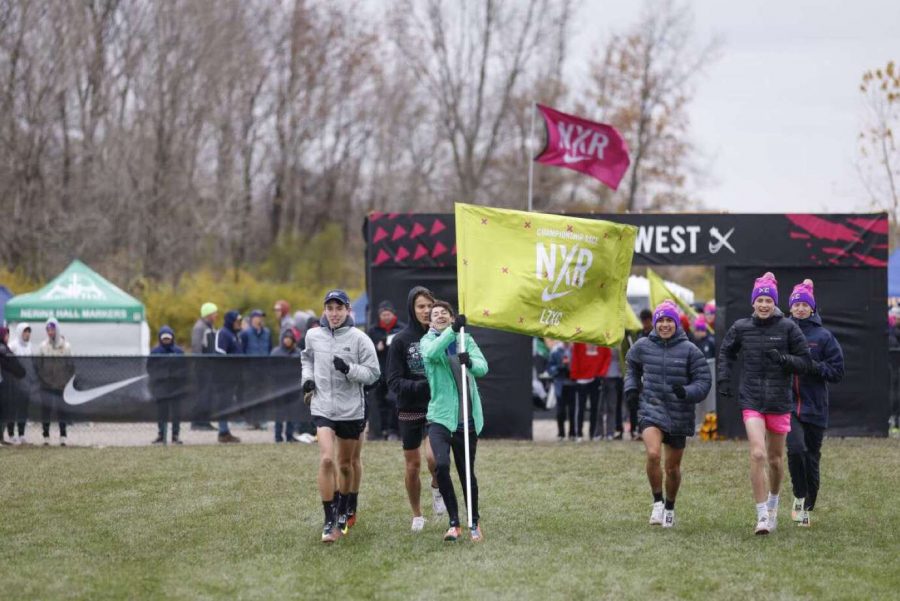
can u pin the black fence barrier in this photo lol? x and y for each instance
(149, 389)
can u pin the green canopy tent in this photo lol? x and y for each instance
(96, 316)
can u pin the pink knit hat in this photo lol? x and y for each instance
(766, 285)
(803, 293)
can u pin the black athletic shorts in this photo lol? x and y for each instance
(676, 442)
(412, 432)
(348, 430)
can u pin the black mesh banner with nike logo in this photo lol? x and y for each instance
(157, 387)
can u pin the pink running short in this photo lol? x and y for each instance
(779, 423)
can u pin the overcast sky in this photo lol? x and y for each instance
(777, 117)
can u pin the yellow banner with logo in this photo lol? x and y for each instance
(660, 292)
(543, 275)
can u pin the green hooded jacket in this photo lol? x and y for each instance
(443, 408)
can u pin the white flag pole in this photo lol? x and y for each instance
(531, 159)
(465, 403)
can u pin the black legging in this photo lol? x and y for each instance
(589, 390)
(804, 448)
(442, 442)
(565, 409)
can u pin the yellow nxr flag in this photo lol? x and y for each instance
(543, 275)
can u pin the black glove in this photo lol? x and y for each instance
(309, 386)
(459, 322)
(341, 366)
(776, 357)
(631, 397)
(679, 391)
(724, 387)
(464, 359)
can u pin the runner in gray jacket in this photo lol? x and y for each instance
(338, 362)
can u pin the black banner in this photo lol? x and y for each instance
(851, 303)
(849, 240)
(148, 389)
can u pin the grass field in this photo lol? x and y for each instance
(560, 522)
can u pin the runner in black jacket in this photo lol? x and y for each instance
(406, 380)
(771, 348)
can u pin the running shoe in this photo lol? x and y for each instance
(351, 519)
(342, 523)
(418, 523)
(668, 518)
(452, 535)
(475, 533)
(804, 519)
(330, 532)
(762, 524)
(773, 519)
(796, 508)
(437, 502)
(656, 516)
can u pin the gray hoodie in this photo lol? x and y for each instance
(19, 346)
(339, 397)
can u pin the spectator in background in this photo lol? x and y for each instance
(9, 368)
(709, 312)
(894, 345)
(283, 316)
(703, 339)
(203, 341)
(564, 388)
(589, 363)
(646, 317)
(611, 397)
(257, 339)
(21, 347)
(382, 334)
(168, 380)
(228, 343)
(54, 369)
(284, 431)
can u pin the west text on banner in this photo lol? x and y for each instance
(543, 275)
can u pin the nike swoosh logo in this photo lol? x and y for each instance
(570, 159)
(548, 296)
(73, 396)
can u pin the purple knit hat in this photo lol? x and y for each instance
(766, 285)
(666, 308)
(700, 323)
(803, 293)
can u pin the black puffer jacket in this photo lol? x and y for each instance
(654, 367)
(405, 368)
(765, 385)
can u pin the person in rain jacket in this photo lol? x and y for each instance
(669, 375)
(287, 347)
(338, 362)
(446, 429)
(227, 342)
(168, 381)
(809, 419)
(20, 345)
(54, 369)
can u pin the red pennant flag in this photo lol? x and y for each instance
(595, 149)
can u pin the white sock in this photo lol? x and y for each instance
(772, 503)
(761, 510)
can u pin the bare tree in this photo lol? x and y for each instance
(881, 157)
(471, 60)
(643, 84)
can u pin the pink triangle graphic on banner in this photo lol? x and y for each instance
(437, 227)
(375, 215)
(417, 230)
(399, 232)
(380, 234)
(439, 249)
(402, 253)
(421, 251)
(382, 257)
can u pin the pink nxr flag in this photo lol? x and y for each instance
(595, 149)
